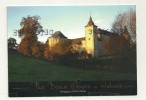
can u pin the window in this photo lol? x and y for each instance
(99, 37)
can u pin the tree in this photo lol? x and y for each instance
(30, 25)
(58, 51)
(27, 33)
(12, 43)
(124, 33)
(84, 54)
(38, 49)
(47, 51)
(123, 37)
(127, 19)
(116, 45)
(61, 53)
(62, 47)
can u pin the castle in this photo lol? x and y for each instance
(92, 42)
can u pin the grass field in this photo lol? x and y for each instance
(25, 69)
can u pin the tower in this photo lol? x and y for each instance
(91, 39)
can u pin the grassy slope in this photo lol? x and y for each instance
(25, 69)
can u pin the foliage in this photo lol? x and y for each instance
(38, 49)
(127, 19)
(47, 52)
(122, 43)
(84, 55)
(30, 26)
(12, 43)
(116, 45)
(62, 47)
(59, 49)
(123, 54)
(26, 44)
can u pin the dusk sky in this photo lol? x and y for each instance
(70, 20)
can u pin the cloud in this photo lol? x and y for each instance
(97, 21)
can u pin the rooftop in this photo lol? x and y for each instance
(77, 40)
(105, 32)
(90, 23)
(58, 34)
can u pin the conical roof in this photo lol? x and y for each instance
(90, 23)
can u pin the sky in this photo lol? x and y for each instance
(70, 20)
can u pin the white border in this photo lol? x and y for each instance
(141, 46)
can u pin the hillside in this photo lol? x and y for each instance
(26, 69)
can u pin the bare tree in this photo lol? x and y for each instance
(127, 19)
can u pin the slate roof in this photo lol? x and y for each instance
(90, 23)
(105, 32)
(77, 40)
(58, 34)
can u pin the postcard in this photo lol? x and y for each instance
(72, 50)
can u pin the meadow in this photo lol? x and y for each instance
(22, 68)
